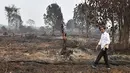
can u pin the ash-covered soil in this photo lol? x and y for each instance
(41, 55)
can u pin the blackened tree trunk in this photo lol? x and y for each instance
(126, 33)
(63, 51)
(113, 29)
(82, 29)
(53, 30)
(120, 24)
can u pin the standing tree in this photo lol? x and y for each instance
(23, 29)
(3, 28)
(70, 24)
(53, 17)
(31, 22)
(84, 16)
(115, 10)
(42, 30)
(14, 18)
(79, 18)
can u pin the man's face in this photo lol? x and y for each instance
(102, 30)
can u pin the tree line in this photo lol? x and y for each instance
(15, 22)
(95, 13)
(90, 13)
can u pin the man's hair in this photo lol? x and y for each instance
(102, 27)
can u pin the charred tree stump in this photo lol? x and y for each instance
(64, 50)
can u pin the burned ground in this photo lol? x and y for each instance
(41, 55)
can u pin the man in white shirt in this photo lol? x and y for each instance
(104, 42)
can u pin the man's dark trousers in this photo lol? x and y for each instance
(105, 56)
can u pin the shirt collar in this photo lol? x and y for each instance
(104, 32)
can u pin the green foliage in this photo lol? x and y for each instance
(70, 24)
(84, 16)
(30, 22)
(3, 28)
(78, 16)
(114, 11)
(54, 16)
(14, 18)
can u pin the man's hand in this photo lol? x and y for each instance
(106, 46)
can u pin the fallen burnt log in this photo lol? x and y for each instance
(87, 62)
(22, 61)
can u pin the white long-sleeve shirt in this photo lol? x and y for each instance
(104, 40)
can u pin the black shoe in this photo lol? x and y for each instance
(93, 66)
(109, 68)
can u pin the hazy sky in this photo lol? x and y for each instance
(34, 9)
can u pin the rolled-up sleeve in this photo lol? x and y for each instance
(99, 43)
